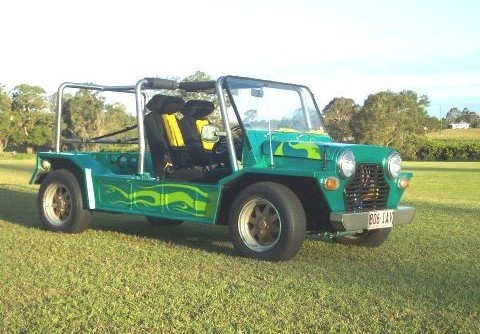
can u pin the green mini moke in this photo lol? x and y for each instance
(266, 168)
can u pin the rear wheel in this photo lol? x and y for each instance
(372, 238)
(267, 222)
(60, 203)
(154, 221)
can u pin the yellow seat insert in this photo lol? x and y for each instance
(200, 123)
(174, 135)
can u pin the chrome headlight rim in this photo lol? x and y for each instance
(394, 165)
(346, 164)
(45, 164)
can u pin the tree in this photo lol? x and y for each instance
(117, 118)
(198, 76)
(6, 127)
(5, 100)
(250, 116)
(33, 129)
(215, 117)
(468, 116)
(338, 114)
(452, 115)
(433, 124)
(52, 100)
(392, 119)
(31, 123)
(26, 98)
(5, 119)
(42, 127)
(84, 115)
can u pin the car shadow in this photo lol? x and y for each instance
(18, 206)
(211, 238)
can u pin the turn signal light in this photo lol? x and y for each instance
(331, 183)
(403, 183)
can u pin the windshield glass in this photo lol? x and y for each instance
(271, 106)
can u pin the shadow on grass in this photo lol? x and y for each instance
(211, 238)
(19, 208)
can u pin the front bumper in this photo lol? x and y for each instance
(359, 220)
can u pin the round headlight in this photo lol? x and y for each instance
(346, 164)
(394, 165)
(46, 165)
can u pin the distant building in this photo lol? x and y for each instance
(461, 125)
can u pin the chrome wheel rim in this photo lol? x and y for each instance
(259, 225)
(57, 204)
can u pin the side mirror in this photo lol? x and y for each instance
(210, 133)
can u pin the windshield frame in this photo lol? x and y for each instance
(305, 95)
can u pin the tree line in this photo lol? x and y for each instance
(399, 120)
(27, 115)
(394, 119)
(454, 115)
(27, 118)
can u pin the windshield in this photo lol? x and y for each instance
(271, 106)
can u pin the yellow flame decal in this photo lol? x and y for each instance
(155, 196)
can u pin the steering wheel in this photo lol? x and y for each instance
(220, 148)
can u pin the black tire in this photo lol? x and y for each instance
(60, 203)
(373, 238)
(154, 221)
(267, 222)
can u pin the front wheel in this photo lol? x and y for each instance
(60, 203)
(267, 221)
(372, 238)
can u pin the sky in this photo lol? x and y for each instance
(337, 48)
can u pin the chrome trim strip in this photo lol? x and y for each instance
(90, 191)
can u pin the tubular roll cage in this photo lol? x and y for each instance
(140, 97)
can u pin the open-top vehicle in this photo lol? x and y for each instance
(268, 170)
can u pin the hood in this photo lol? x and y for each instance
(314, 150)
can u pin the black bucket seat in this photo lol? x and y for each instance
(194, 119)
(158, 131)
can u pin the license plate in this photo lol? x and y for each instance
(380, 219)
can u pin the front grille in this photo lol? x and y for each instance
(367, 190)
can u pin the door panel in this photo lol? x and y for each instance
(165, 199)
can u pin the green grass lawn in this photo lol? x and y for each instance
(456, 134)
(123, 275)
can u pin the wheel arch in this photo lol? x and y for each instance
(305, 188)
(77, 171)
